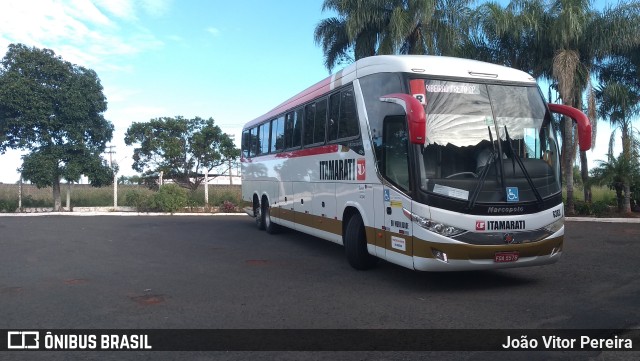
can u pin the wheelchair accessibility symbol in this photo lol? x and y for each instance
(512, 194)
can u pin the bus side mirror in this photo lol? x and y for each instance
(584, 125)
(416, 117)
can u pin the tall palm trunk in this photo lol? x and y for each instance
(565, 65)
(568, 155)
(584, 174)
(626, 152)
(584, 163)
(626, 206)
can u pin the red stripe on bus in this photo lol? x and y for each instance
(305, 152)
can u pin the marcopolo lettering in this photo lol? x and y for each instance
(505, 225)
(505, 210)
(340, 169)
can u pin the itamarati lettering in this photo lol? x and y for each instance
(340, 169)
(505, 225)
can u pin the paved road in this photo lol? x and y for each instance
(221, 272)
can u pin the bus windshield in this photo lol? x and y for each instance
(488, 143)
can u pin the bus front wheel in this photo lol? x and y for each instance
(355, 245)
(269, 226)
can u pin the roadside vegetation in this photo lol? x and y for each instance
(169, 198)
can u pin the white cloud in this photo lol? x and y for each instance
(213, 31)
(155, 7)
(122, 9)
(99, 34)
(95, 34)
(127, 9)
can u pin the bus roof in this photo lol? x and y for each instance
(417, 64)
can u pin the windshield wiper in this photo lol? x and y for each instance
(521, 165)
(483, 174)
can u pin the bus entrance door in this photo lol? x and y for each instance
(397, 228)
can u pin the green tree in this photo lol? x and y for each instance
(620, 103)
(564, 41)
(377, 27)
(180, 148)
(617, 173)
(54, 109)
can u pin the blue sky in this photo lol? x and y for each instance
(229, 60)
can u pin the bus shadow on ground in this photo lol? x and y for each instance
(462, 281)
(427, 281)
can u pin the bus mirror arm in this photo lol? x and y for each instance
(584, 125)
(416, 117)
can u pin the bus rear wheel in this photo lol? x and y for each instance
(257, 212)
(355, 245)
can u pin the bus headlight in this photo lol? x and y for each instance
(555, 226)
(436, 227)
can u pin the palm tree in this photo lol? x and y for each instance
(618, 173)
(510, 36)
(620, 104)
(562, 41)
(365, 28)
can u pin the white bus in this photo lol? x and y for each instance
(432, 163)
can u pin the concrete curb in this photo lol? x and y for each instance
(121, 214)
(602, 220)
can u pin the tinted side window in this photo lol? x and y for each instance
(320, 121)
(348, 123)
(395, 165)
(334, 116)
(373, 87)
(288, 129)
(277, 134)
(246, 143)
(263, 134)
(255, 142)
(309, 117)
(296, 141)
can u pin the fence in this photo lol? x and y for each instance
(84, 195)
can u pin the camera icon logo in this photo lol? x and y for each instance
(23, 340)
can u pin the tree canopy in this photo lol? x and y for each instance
(568, 42)
(54, 109)
(378, 27)
(180, 148)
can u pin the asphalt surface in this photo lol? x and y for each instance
(166, 272)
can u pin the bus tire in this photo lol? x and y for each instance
(257, 211)
(269, 226)
(355, 245)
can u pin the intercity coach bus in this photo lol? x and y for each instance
(432, 163)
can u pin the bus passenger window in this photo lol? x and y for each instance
(246, 143)
(296, 141)
(255, 142)
(309, 117)
(348, 126)
(277, 134)
(320, 121)
(288, 129)
(263, 139)
(334, 116)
